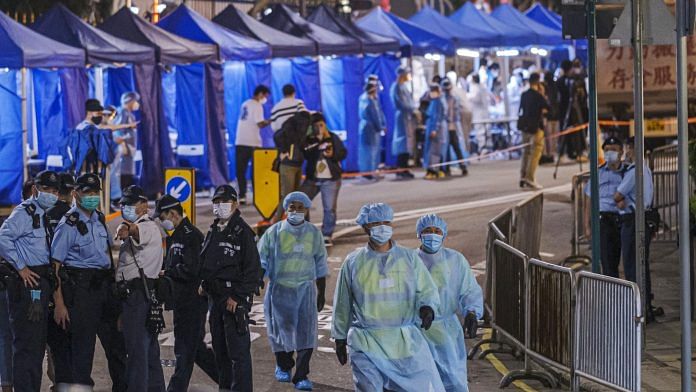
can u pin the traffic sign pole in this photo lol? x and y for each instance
(181, 184)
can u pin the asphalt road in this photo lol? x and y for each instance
(467, 203)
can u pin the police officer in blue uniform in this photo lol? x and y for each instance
(83, 301)
(611, 174)
(231, 274)
(182, 265)
(25, 244)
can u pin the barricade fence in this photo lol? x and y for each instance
(585, 324)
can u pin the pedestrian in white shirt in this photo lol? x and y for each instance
(251, 121)
(285, 108)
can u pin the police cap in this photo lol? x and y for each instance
(165, 203)
(47, 178)
(225, 192)
(132, 195)
(93, 105)
(67, 182)
(612, 141)
(88, 182)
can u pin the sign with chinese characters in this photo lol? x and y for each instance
(615, 65)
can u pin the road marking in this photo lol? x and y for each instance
(500, 366)
(447, 208)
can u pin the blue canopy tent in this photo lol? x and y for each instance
(234, 49)
(474, 36)
(541, 35)
(252, 73)
(414, 40)
(552, 20)
(350, 74)
(102, 48)
(171, 50)
(22, 48)
(511, 35)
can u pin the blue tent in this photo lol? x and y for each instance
(282, 44)
(474, 36)
(541, 14)
(511, 35)
(414, 40)
(21, 47)
(242, 55)
(541, 35)
(328, 43)
(174, 50)
(370, 43)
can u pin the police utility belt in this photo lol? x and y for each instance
(8, 274)
(125, 288)
(86, 277)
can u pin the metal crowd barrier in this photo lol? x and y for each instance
(578, 238)
(527, 236)
(499, 228)
(608, 333)
(663, 164)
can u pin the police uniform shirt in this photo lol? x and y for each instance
(183, 260)
(628, 189)
(148, 252)
(81, 241)
(609, 181)
(56, 213)
(23, 236)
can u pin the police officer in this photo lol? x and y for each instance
(139, 265)
(231, 273)
(24, 243)
(83, 303)
(610, 175)
(625, 198)
(182, 265)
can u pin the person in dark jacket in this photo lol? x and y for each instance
(533, 106)
(324, 155)
(182, 264)
(231, 272)
(290, 141)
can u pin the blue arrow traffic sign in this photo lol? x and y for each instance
(179, 188)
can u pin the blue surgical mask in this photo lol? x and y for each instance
(128, 213)
(167, 225)
(611, 156)
(89, 203)
(431, 242)
(381, 234)
(46, 200)
(295, 218)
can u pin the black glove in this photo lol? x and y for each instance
(470, 325)
(262, 284)
(342, 351)
(35, 312)
(427, 315)
(321, 290)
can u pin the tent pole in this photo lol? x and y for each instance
(99, 83)
(25, 158)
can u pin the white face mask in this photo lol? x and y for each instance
(167, 225)
(263, 100)
(222, 210)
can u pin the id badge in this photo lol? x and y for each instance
(386, 283)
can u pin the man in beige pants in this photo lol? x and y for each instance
(533, 105)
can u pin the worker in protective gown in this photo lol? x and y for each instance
(384, 299)
(293, 257)
(459, 294)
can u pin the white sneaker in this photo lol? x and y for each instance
(535, 185)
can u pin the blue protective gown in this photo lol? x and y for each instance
(376, 308)
(405, 105)
(459, 293)
(372, 122)
(80, 143)
(436, 121)
(294, 257)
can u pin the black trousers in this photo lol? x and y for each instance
(402, 161)
(29, 343)
(286, 361)
(190, 311)
(93, 312)
(454, 143)
(244, 156)
(232, 349)
(144, 369)
(610, 243)
(628, 248)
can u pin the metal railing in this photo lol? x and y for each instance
(663, 164)
(499, 228)
(608, 322)
(580, 323)
(527, 237)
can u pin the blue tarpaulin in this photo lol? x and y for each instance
(539, 34)
(414, 40)
(473, 36)
(10, 140)
(541, 14)
(282, 44)
(370, 43)
(385, 68)
(511, 35)
(328, 43)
